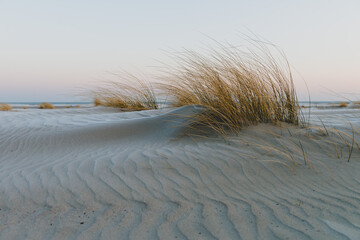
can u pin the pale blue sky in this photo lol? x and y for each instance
(50, 49)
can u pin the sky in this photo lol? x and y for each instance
(53, 50)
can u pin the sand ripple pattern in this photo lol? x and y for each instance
(102, 174)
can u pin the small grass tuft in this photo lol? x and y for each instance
(343, 104)
(97, 102)
(5, 107)
(46, 105)
(131, 94)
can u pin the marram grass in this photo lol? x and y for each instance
(97, 102)
(235, 88)
(132, 95)
(46, 105)
(5, 107)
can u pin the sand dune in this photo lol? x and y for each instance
(98, 173)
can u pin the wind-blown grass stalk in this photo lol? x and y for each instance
(133, 95)
(236, 88)
(339, 138)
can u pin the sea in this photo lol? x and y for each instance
(304, 104)
(31, 105)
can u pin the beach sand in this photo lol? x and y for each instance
(99, 173)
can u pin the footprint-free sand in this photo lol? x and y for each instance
(99, 173)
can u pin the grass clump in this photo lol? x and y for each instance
(343, 104)
(355, 104)
(236, 88)
(46, 105)
(97, 102)
(132, 94)
(5, 107)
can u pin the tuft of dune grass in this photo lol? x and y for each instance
(343, 104)
(355, 104)
(97, 102)
(131, 94)
(46, 105)
(5, 107)
(236, 88)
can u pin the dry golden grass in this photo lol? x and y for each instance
(235, 88)
(343, 104)
(131, 94)
(46, 105)
(76, 106)
(356, 105)
(97, 102)
(5, 107)
(295, 146)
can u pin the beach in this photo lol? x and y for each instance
(102, 173)
(171, 120)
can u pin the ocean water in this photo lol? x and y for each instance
(327, 104)
(313, 104)
(332, 114)
(31, 105)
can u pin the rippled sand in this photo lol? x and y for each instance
(97, 173)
